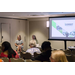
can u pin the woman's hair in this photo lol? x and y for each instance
(7, 46)
(19, 36)
(46, 45)
(59, 56)
(34, 37)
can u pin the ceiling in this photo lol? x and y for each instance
(26, 15)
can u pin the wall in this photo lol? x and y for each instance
(16, 27)
(38, 28)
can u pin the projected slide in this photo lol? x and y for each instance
(63, 28)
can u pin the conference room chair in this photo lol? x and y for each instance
(35, 54)
(68, 52)
(5, 59)
(29, 60)
(27, 56)
(73, 52)
(22, 54)
(73, 57)
(69, 58)
(16, 60)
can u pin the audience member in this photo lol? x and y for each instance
(58, 56)
(19, 43)
(33, 49)
(44, 56)
(8, 51)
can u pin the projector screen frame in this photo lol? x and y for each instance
(60, 39)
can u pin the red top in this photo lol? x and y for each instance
(3, 55)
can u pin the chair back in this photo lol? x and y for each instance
(73, 57)
(5, 59)
(29, 60)
(16, 60)
(35, 54)
(73, 52)
(27, 56)
(69, 58)
(67, 52)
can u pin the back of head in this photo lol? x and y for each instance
(59, 56)
(6, 46)
(46, 45)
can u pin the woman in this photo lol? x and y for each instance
(34, 39)
(19, 43)
(8, 51)
(58, 56)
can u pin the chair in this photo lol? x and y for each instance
(29, 60)
(67, 52)
(73, 52)
(69, 58)
(35, 54)
(16, 60)
(27, 56)
(5, 59)
(73, 57)
(22, 54)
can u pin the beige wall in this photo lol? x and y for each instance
(38, 28)
(16, 27)
(29, 27)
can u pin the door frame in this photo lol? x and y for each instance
(9, 31)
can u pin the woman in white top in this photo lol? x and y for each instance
(19, 43)
(34, 39)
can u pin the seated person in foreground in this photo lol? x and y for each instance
(58, 56)
(33, 49)
(8, 51)
(44, 56)
(19, 43)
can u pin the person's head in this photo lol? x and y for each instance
(32, 44)
(58, 56)
(6, 46)
(33, 37)
(46, 45)
(19, 37)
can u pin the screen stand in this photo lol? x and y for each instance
(65, 44)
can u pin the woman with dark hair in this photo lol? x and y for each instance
(8, 51)
(34, 39)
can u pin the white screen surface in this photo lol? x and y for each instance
(62, 28)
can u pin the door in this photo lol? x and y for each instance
(5, 32)
(0, 34)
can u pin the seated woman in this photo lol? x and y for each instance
(19, 43)
(58, 56)
(34, 39)
(8, 51)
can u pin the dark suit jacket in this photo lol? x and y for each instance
(43, 56)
